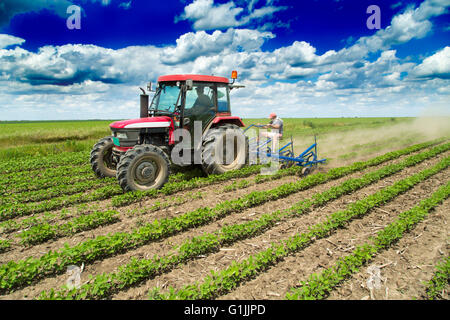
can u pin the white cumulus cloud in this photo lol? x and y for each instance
(435, 66)
(366, 78)
(7, 40)
(206, 15)
(193, 45)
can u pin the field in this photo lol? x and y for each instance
(372, 223)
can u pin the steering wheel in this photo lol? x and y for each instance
(177, 110)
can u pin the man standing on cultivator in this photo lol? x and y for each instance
(275, 123)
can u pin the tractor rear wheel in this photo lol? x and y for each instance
(142, 168)
(215, 157)
(101, 158)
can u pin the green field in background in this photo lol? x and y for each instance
(37, 138)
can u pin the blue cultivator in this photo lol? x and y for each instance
(286, 156)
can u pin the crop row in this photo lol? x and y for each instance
(261, 178)
(58, 180)
(139, 270)
(63, 176)
(171, 188)
(77, 184)
(37, 184)
(440, 281)
(9, 211)
(41, 231)
(94, 249)
(221, 282)
(40, 179)
(55, 191)
(4, 245)
(12, 225)
(131, 197)
(63, 159)
(12, 210)
(32, 163)
(186, 175)
(318, 286)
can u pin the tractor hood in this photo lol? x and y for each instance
(150, 122)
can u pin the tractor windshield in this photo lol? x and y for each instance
(165, 98)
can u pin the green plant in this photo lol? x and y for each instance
(17, 273)
(440, 280)
(4, 245)
(227, 279)
(318, 286)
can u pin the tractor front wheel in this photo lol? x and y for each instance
(142, 168)
(101, 158)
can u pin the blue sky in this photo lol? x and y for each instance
(296, 58)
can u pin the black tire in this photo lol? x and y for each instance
(306, 171)
(142, 168)
(211, 164)
(101, 158)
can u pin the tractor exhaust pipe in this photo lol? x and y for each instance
(144, 104)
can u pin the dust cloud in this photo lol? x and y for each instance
(342, 148)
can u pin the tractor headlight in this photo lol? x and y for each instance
(122, 135)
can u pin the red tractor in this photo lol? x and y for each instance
(140, 151)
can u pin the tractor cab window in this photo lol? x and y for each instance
(222, 99)
(199, 100)
(165, 98)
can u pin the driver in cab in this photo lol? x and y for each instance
(202, 104)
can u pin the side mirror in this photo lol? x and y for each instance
(149, 86)
(189, 84)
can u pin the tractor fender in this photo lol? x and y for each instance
(219, 120)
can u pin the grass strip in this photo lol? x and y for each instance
(318, 286)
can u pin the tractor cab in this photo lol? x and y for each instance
(190, 98)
